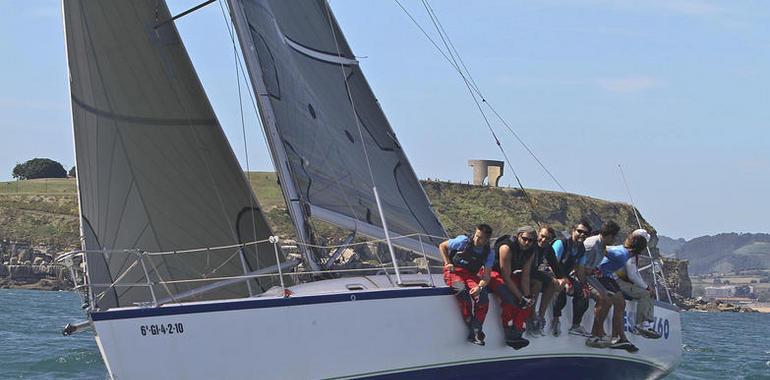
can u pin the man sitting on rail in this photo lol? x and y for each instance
(569, 252)
(467, 266)
(510, 282)
(634, 287)
(542, 279)
(615, 259)
(596, 246)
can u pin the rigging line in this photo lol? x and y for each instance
(450, 48)
(477, 90)
(248, 167)
(468, 85)
(243, 71)
(355, 116)
(649, 253)
(468, 77)
(456, 53)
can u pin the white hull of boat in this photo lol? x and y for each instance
(413, 332)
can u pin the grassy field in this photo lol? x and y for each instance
(39, 186)
(264, 183)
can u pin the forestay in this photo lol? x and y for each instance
(322, 119)
(155, 171)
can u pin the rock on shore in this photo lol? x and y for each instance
(702, 305)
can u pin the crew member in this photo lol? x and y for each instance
(510, 282)
(543, 280)
(615, 259)
(569, 252)
(596, 246)
(467, 265)
(633, 286)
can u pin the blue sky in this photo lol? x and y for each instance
(675, 91)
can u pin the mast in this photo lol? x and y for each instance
(294, 203)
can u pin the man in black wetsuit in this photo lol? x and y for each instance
(569, 252)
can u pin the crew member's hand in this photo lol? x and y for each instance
(652, 291)
(475, 290)
(450, 267)
(525, 302)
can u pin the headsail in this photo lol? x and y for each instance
(314, 98)
(155, 171)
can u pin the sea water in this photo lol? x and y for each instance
(716, 345)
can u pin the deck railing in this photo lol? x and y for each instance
(139, 260)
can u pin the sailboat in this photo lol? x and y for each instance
(184, 278)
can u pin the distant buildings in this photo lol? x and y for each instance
(729, 292)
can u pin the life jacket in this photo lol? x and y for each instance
(519, 258)
(567, 261)
(621, 273)
(467, 258)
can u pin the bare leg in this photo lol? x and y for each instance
(548, 294)
(535, 287)
(601, 309)
(619, 304)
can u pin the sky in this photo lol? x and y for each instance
(675, 91)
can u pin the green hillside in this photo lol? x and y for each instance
(45, 211)
(461, 206)
(726, 253)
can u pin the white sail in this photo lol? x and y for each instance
(325, 127)
(155, 171)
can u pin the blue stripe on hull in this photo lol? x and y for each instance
(572, 368)
(261, 303)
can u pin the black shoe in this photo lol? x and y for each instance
(624, 345)
(515, 340)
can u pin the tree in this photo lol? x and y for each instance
(39, 168)
(71, 173)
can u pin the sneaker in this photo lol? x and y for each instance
(476, 336)
(606, 341)
(594, 342)
(556, 327)
(514, 339)
(623, 344)
(541, 323)
(579, 330)
(647, 332)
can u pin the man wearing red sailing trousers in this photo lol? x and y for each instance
(467, 263)
(510, 282)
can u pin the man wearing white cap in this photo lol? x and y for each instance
(633, 285)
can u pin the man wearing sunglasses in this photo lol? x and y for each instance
(510, 282)
(542, 280)
(569, 252)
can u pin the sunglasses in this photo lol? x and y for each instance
(582, 232)
(526, 239)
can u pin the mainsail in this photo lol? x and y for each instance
(329, 137)
(155, 171)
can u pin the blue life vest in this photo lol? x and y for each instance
(467, 258)
(567, 261)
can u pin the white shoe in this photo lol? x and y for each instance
(579, 331)
(646, 331)
(595, 342)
